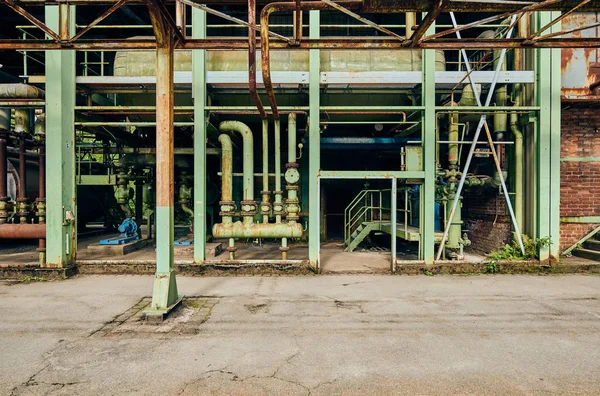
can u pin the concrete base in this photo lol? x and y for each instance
(158, 315)
(35, 273)
(119, 250)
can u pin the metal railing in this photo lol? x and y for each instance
(367, 207)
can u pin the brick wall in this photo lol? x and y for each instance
(484, 215)
(580, 181)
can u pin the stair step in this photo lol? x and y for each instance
(587, 254)
(592, 244)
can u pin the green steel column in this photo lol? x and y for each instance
(314, 147)
(555, 92)
(428, 138)
(61, 224)
(199, 95)
(548, 143)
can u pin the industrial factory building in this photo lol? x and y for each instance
(378, 135)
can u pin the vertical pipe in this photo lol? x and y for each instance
(278, 207)
(292, 138)
(200, 121)
(411, 20)
(4, 205)
(226, 170)
(265, 206)
(22, 192)
(518, 170)
(252, 60)
(41, 202)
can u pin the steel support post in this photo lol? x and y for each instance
(164, 296)
(199, 96)
(548, 143)
(61, 224)
(428, 138)
(314, 147)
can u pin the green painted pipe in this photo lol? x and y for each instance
(292, 138)
(455, 231)
(252, 230)
(226, 168)
(500, 119)
(248, 140)
(278, 207)
(453, 137)
(266, 203)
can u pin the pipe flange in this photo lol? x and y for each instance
(231, 249)
(265, 208)
(292, 165)
(265, 193)
(291, 187)
(250, 213)
(231, 203)
(278, 192)
(284, 249)
(229, 214)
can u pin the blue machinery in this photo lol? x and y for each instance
(128, 233)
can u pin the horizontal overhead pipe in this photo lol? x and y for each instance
(22, 231)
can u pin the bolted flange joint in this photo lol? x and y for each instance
(227, 208)
(248, 208)
(292, 165)
(5, 209)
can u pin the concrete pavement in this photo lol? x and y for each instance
(318, 335)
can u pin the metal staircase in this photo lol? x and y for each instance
(588, 247)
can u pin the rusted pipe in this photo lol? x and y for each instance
(22, 231)
(264, 37)
(271, 230)
(278, 205)
(226, 168)
(252, 60)
(22, 204)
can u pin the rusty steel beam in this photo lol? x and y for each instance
(533, 7)
(100, 18)
(556, 20)
(306, 44)
(361, 19)
(429, 19)
(22, 231)
(551, 35)
(370, 6)
(264, 42)
(232, 19)
(25, 14)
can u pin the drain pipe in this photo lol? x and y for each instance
(248, 204)
(227, 203)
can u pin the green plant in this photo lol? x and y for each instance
(34, 279)
(513, 252)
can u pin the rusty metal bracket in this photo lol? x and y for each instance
(431, 16)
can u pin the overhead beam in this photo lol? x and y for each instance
(549, 41)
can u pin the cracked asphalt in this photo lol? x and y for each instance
(325, 335)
